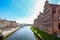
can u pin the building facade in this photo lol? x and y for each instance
(5, 24)
(49, 20)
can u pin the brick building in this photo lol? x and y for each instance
(35, 23)
(5, 24)
(49, 19)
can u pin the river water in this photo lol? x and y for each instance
(24, 33)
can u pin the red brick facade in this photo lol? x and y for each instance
(49, 20)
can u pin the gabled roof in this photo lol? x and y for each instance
(54, 5)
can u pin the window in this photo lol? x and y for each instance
(49, 25)
(58, 25)
(54, 11)
(48, 20)
(59, 11)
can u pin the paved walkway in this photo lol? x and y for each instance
(8, 32)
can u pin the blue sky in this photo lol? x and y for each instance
(54, 1)
(15, 8)
(23, 11)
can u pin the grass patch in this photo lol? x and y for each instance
(44, 35)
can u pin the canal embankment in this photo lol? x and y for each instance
(24, 33)
(43, 35)
(6, 33)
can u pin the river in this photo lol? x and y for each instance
(24, 33)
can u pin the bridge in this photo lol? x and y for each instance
(22, 25)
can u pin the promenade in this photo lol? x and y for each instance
(8, 32)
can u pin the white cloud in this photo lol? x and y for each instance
(25, 20)
(38, 7)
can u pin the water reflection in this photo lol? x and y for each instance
(23, 34)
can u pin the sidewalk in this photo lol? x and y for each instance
(8, 32)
